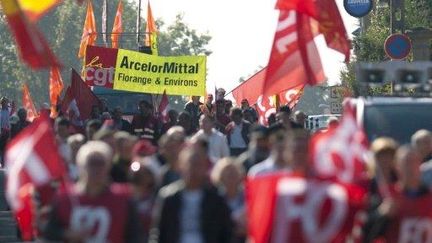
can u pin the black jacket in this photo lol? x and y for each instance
(216, 224)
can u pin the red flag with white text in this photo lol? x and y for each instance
(340, 151)
(294, 59)
(294, 50)
(265, 104)
(285, 208)
(32, 159)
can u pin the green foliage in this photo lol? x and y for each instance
(369, 46)
(62, 28)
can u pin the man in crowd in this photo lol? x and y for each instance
(258, 149)
(422, 141)
(405, 216)
(119, 123)
(193, 108)
(222, 118)
(246, 108)
(93, 211)
(208, 108)
(237, 132)
(217, 143)
(4, 125)
(283, 116)
(144, 124)
(21, 123)
(190, 211)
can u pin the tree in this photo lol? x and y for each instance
(369, 46)
(62, 28)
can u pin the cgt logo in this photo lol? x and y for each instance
(99, 76)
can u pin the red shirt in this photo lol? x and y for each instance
(104, 216)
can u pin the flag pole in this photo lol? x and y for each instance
(138, 22)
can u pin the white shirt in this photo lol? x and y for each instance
(218, 145)
(237, 140)
(266, 167)
(190, 217)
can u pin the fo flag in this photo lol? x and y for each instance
(32, 159)
(285, 208)
(340, 152)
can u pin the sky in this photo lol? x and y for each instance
(242, 35)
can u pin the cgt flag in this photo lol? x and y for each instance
(32, 159)
(31, 45)
(89, 34)
(291, 208)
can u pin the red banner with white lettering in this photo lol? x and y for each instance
(99, 66)
(251, 90)
(287, 208)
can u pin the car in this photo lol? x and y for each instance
(395, 117)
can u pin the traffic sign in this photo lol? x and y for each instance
(335, 108)
(397, 46)
(358, 8)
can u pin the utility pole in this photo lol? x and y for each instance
(138, 24)
(397, 16)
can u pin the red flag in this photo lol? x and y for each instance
(328, 18)
(55, 88)
(80, 94)
(31, 160)
(32, 47)
(294, 54)
(28, 104)
(294, 58)
(89, 34)
(117, 26)
(339, 152)
(288, 208)
(163, 107)
(265, 103)
(36, 9)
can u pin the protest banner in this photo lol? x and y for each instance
(134, 71)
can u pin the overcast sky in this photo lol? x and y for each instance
(242, 34)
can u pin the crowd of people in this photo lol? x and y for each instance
(183, 180)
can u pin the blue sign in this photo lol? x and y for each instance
(358, 8)
(397, 46)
